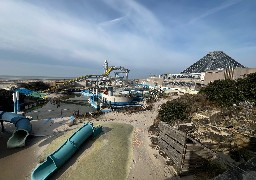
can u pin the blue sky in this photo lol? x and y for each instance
(73, 38)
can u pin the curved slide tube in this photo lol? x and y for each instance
(31, 93)
(23, 126)
(60, 156)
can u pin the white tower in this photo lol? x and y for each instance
(105, 66)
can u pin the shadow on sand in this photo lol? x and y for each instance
(31, 139)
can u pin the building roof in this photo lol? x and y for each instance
(215, 60)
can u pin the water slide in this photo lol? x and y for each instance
(28, 92)
(60, 156)
(23, 128)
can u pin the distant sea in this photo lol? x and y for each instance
(6, 77)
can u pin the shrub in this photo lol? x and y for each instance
(247, 87)
(173, 110)
(228, 92)
(183, 107)
(223, 92)
(197, 102)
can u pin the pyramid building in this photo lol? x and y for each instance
(215, 60)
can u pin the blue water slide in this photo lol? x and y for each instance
(23, 128)
(24, 91)
(64, 152)
(86, 92)
(28, 92)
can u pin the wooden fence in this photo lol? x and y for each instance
(172, 142)
(186, 153)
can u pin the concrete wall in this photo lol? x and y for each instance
(241, 72)
(216, 75)
(212, 76)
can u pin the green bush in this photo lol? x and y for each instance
(223, 92)
(228, 92)
(196, 102)
(247, 87)
(173, 110)
(183, 107)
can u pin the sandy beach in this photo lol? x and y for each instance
(128, 131)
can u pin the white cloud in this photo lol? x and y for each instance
(132, 36)
(209, 12)
(142, 19)
(29, 28)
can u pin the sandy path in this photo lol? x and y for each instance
(147, 163)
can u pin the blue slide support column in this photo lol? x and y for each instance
(14, 103)
(17, 101)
